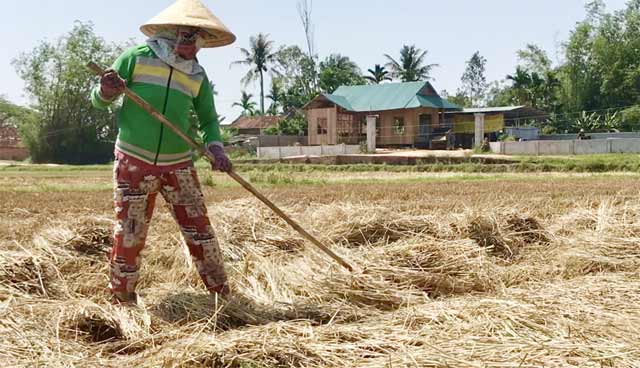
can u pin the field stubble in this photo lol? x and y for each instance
(468, 274)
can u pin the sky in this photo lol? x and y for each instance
(363, 30)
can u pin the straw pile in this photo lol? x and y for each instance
(486, 287)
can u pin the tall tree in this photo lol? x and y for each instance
(521, 80)
(338, 70)
(248, 106)
(378, 74)
(296, 70)
(410, 67)
(305, 11)
(275, 95)
(68, 128)
(474, 80)
(260, 57)
(534, 59)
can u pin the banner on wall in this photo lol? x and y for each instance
(465, 124)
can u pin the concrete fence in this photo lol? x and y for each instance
(565, 147)
(570, 137)
(281, 152)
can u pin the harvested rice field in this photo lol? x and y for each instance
(523, 270)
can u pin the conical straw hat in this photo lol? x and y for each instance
(195, 14)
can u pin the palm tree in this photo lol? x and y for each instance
(522, 83)
(411, 66)
(378, 75)
(259, 57)
(248, 106)
(275, 95)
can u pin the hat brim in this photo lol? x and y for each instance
(214, 38)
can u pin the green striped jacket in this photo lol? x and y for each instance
(171, 92)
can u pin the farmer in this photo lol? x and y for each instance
(151, 159)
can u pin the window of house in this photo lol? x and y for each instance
(322, 126)
(398, 125)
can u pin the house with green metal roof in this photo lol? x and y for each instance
(408, 114)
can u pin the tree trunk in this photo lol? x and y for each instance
(261, 92)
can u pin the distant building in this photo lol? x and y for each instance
(409, 114)
(511, 120)
(254, 125)
(11, 147)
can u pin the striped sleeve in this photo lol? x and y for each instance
(207, 115)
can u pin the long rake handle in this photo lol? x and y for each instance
(246, 185)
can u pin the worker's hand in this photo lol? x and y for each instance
(111, 85)
(222, 162)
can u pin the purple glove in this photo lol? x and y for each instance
(111, 85)
(222, 162)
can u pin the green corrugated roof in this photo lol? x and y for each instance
(339, 100)
(389, 96)
(436, 102)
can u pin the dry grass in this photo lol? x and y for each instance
(493, 280)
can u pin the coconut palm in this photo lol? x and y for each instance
(522, 85)
(259, 57)
(378, 75)
(248, 106)
(411, 66)
(275, 95)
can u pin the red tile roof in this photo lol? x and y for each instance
(257, 122)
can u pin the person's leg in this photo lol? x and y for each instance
(181, 189)
(134, 196)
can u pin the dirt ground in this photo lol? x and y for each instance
(517, 271)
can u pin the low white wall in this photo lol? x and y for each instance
(625, 146)
(591, 146)
(520, 148)
(555, 147)
(583, 147)
(333, 150)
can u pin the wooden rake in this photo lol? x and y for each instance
(246, 185)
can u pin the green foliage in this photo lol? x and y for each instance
(68, 129)
(460, 98)
(631, 119)
(276, 95)
(378, 75)
(297, 75)
(602, 68)
(474, 81)
(259, 57)
(295, 125)
(246, 103)
(14, 115)
(595, 122)
(410, 67)
(534, 59)
(227, 134)
(337, 70)
(499, 94)
(549, 129)
(506, 138)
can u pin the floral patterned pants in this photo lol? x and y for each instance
(137, 185)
